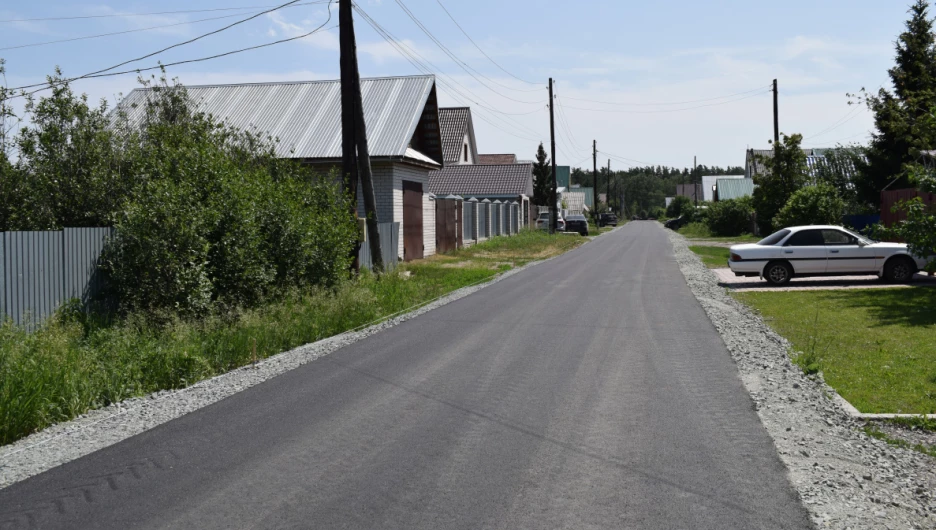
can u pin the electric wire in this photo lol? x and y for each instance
(671, 103)
(424, 65)
(137, 30)
(462, 64)
(495, 63)
(187, 61)
(121, 15)
(662, 111)
(147, 56)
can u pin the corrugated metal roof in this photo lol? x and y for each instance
(730, 188)
(306, 115)
(455, 123)
(497, 159)
(708, 194)
(469, 179)
(816, 160)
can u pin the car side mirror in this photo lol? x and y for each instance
(862, 243)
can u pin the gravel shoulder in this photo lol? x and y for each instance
(845, 478)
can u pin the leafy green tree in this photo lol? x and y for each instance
(902, 117)
(919, 227)
(812, 205)
(542, 178)
(784, 173)
(681, 206)
(731, 217)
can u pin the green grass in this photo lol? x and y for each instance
(874, 346)
(700, 231)
(73, 364)
(713, 257)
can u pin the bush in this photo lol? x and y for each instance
(730, 217)
(681, 205)
(811, 205)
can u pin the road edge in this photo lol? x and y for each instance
(100, 428)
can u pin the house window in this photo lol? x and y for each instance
(466, 152)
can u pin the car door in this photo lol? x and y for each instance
(845, 255)
(806, 251)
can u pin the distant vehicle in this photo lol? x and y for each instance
(822, 250)
(577, 223)
(606, 219)
(675, 224)
(542, 222)
(635, 218)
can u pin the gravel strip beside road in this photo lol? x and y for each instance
(101, 428)
(845, 478)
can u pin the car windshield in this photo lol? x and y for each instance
(774, 238)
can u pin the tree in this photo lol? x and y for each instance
(681, 206)
(901, 118)
(731, 217)
(784, 173)
(542, 177)
(812, 205)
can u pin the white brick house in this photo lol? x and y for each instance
(403, 135)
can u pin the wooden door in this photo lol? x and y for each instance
(412, 220)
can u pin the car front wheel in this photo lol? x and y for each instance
(899, 270)
(778, 273)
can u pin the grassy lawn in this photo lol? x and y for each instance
(74, 364)
(713, 257)
(876, 347)
(700, 232)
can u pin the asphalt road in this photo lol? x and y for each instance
(590, 391)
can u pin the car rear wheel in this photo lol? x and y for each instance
(778, 273)
(899, 270)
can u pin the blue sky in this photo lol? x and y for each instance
(622, 68)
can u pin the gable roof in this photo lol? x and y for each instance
(710, 180)
(469, 179)
(306, 116)
(497, 159)
(816, 161)
(455, 123)
(730, 188)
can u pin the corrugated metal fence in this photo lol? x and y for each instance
(41, 270)
(389, 240)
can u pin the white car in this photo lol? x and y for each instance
(542, 222)
(822, 250)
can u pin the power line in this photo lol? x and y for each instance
(854, 113)
(662, 111)
(462, 64)
(120, 15)
(87, 37)
(483, 52)
(625, 159)
(187, 61)
(424, 65)
(147, 56)
(671, 103)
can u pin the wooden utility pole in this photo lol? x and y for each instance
(353, 114)
(553, 199)
(776, 116)
(608, 187)
(595, 181)
(696, 187)
(348, 152)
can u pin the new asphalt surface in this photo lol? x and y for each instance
(590, 391)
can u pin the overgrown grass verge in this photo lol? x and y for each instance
(74, 364)
(700, 231)
(712, 257)
(874, 432)
(874, 346)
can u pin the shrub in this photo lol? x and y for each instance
(730, 217)
(819, 204)
(681, 205)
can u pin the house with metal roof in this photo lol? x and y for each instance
(403, 134)
(733, 188)
(818, 163)
(709, 182)
(470, 175)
